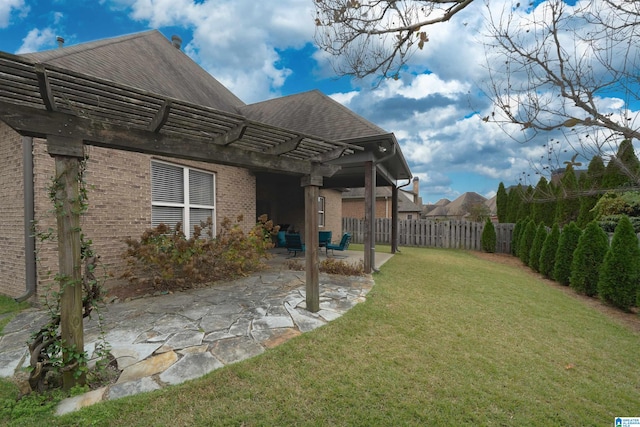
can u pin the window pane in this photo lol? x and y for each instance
(199, 215)
(166, 183)
(200, 188)
(166, 215)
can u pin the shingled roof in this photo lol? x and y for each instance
(314, 113)
(148, 61)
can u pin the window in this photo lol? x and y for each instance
(181, 194)
(320, 211)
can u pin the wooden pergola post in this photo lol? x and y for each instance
(369, 216)
(311, 184)
(394, 219)
(67, 154)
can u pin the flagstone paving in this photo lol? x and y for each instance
(164, 340)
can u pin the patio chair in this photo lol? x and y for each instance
(324, 238)
(343, 246)
(294, 244)
(282, 242)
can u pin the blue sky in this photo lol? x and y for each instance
(265, 49)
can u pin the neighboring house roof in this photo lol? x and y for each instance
(492, 205)
(459, 207)
(314, 113)
(438, 211)
(442, 202)
(147, 61)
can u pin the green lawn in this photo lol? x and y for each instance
(444, 339)
(8, 309)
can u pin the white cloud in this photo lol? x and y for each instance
(236, 41)
(7, 7)
(344, 98)
(36, 39)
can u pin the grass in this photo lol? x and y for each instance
(8, 309)
(379, 248)
(444, 339)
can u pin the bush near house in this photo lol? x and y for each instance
(587, 259)
(564, 256)
(618, 282)
(488, 238)
(536, 248)
(168, 259)
(548, 253)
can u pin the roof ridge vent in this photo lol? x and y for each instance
(176, 41)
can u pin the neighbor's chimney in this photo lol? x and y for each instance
(416, 186)
(60, 41)
(176, 41)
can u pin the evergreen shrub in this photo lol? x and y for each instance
(548, 253)
(587, 259)
(536, 248)
(488, 238)
(564, 256)
(618, 281)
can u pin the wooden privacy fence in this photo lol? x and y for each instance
(451, 234)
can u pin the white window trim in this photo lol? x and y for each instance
(186, 205)
(322, 209)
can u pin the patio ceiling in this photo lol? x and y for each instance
(62, 105)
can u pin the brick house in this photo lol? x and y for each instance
(409, 202)
(131, 190)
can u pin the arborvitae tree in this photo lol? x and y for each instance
(568, 206)
(618, 282)
(590, 184)
(515, 238)
(502, 203)
(548, 253)
(543, 208)
(524, 210)
(488, 238)
(513, 203)
(623, 169)
(564, 255)
(536, 248)
(526, 241)
(587, 259)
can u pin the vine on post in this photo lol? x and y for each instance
(50, 355)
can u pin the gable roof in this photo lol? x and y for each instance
(459, 207)
(314, 113)
(147, 61)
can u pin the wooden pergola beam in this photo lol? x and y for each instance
(45, 88)
(285, 147)
(231, 136)
(40, 123)
(161, 117)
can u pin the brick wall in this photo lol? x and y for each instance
(333, 213)
(119, 192)
(12, 275)
(354, 208)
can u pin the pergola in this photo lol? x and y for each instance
(71, 109)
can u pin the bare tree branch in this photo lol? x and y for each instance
(377, 36)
